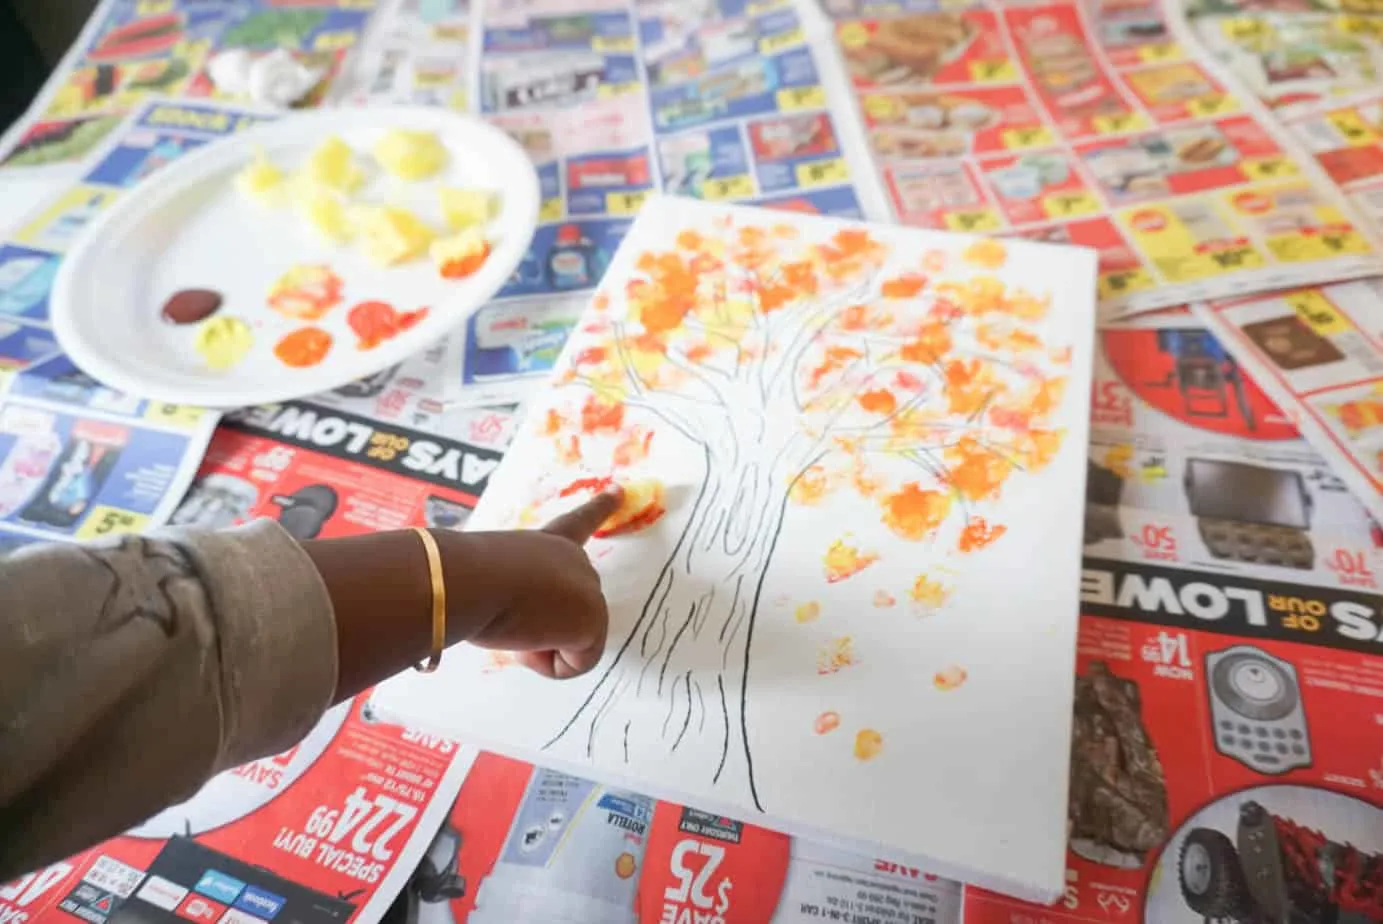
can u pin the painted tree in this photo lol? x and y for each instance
(793, 367)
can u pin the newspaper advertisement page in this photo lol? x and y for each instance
(414, 51)
(1059, 123)
(132, 50)
(1346, 138)
(1192, 464)
(322, 472)
(1319, 354)
(78, 460)
(524, 843)
(1227, 758)
(327, 832)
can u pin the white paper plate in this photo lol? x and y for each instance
(188, 227)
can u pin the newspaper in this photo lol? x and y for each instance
(132, 50)
(1177, 425)
(529, 844)
(1060, 122)
(1346, 137)
(1319, 354)
(415, 51)
(78, 460)
(327, 832)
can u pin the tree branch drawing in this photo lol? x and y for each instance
(793, 366)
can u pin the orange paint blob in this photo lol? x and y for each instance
(868, 744)
(598, 416)
(986, 253)
(904, 286)
(929, 593)
(810, 487)
(844, 561)
(878, 401)
(914, 513)
(826, 723)
(835, 655)
(978, 534)
(304, 347)
(375, 322)
(950, 678)
(306, 292)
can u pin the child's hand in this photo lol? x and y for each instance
(534, 592)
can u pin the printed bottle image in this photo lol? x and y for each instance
(574, 261)
(573, 854)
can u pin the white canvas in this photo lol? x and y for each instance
(851, 613)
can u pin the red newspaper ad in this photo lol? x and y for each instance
(529, 844)
(1227, 756)
(325, 833)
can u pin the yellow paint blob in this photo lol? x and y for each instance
(223, 341)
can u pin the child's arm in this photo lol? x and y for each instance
(132, 672)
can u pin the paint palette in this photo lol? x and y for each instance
(190, 227)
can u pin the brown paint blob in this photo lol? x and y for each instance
(191, 305)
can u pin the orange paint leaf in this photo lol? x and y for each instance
(553, 423)
(591, 356)
(826, 723)
(808, 612)
(929, 593)
(932, 343)
(835, 655)
(868, 744)
(904, 286)
(835, 359)
(976, 471)
(978, 534)
(845, 561)
(914, 513)
(950, 678)
(633, 448)
(986, 253)
(598, 416)
(568, 450)
(878, 401)
(811, 486)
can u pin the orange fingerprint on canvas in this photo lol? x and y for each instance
(811, 486)
(868, 744)
(905, 286)
(826, 723)
(987, 254)
(835, 655)
(976, 471)
(878, 401)
(949, 678)
(929, 593)
(978, 533)
(633, 447)
(914, 513)
(845, 561)
(808, 612)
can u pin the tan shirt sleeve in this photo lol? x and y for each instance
(133, 671)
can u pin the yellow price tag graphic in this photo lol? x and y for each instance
(1212, 105)
(1122, 282)
(1119, 123)
(1268, 168)
(997, 71)
(1359, 25)
(795, 98)
(1018, 138)
(110, 521)
(1319, 313)
(1243, 29)
(852, 35)
(611, 90)
(178, 415)
(625, 203)
(973, 220)
(1233, 259)
(612, 44)
(762, 7)
(551, 210)
(882, 108)
(1162, 51)
(1065, 205)
(334, 41)
(153, 7)
(1352, 127)
(822, 173)
(720, 188)
(772, 44)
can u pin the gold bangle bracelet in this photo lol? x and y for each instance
(439, 601)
